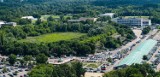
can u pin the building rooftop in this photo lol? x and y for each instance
(108, 14)
(137, 54)
(2, 22)
(29, 17)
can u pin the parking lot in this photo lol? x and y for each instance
(155, 58)
(110, 59)
(11, 71)
(6, 70)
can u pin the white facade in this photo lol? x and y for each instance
(1, 23)
(108, 14)
(133, 21)
(12, 24)
(29, 17)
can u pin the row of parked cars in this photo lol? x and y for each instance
(11, 71)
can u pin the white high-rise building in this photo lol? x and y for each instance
(133, 21)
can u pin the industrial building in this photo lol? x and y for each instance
(133, 21)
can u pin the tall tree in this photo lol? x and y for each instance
(78, 67)
(41, 58)
(1, 38)
(12, 59)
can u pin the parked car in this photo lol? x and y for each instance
(11, 75)
(26, 75)
(20, 70)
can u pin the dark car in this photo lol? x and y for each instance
(20, 70)
(26, 69)
(11, 75)
(4, 75)
(15, 73)
(26, 75)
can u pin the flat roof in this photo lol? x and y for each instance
(136, 55)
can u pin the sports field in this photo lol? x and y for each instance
(137, 54)
(53, 37)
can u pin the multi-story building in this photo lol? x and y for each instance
(133, 21)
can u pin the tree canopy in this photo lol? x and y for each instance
(65, 70)
(135, 70)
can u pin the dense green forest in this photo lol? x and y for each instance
(13, 10)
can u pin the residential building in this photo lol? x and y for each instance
(133, 21)
(108, 14)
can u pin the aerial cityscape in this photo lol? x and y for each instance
(79, 38)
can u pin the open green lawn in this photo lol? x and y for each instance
(93, 38)
(53, 37)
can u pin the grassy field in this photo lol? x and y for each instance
(94, 38)
(53, 37)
